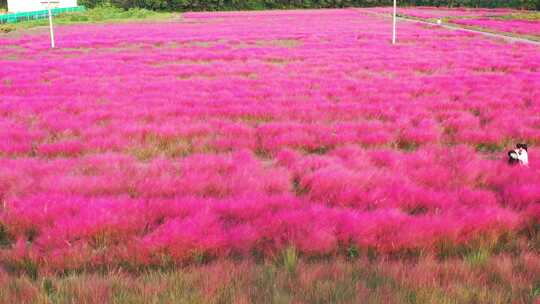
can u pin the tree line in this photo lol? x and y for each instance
(214, 5)
(209, 5)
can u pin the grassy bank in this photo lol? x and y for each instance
(473, 274)
(478, 277)
(93, 15)
(532, 16)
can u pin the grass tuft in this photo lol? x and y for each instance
(290, 259)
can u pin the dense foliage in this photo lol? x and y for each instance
(199, 5)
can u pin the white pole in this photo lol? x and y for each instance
(394, 23)
(51, 27)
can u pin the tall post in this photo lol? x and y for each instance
(51, 27)
(49, 4)
(394, 23)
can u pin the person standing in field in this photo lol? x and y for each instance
(522, 154)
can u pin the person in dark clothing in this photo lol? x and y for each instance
(513, 158)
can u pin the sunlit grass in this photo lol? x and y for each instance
(94, 15)
(497, 279)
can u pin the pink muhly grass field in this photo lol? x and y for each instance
(429, 12)
(520, 22)
(228, 134)
(516, 26)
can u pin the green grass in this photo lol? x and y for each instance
(532, 16)
(477, 276)
(336, 281)
(101, 14)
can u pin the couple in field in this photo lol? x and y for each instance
(519, 155)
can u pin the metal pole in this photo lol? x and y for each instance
(394, 23)
(51, 27)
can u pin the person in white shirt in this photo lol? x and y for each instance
(522, 155)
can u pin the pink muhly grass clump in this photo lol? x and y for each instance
(312, 231)
(337, 185)
(216, 176)
(17, 139)
(525, 27)
(235, 136)
(476, 198)
(520, 196)
(185, 239)
(491, 221)
(61, 148)
(287, 158)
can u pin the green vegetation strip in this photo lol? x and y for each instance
(93, 15)
(26, 16)
(496, 279)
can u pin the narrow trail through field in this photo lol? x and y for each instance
(507, 37)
